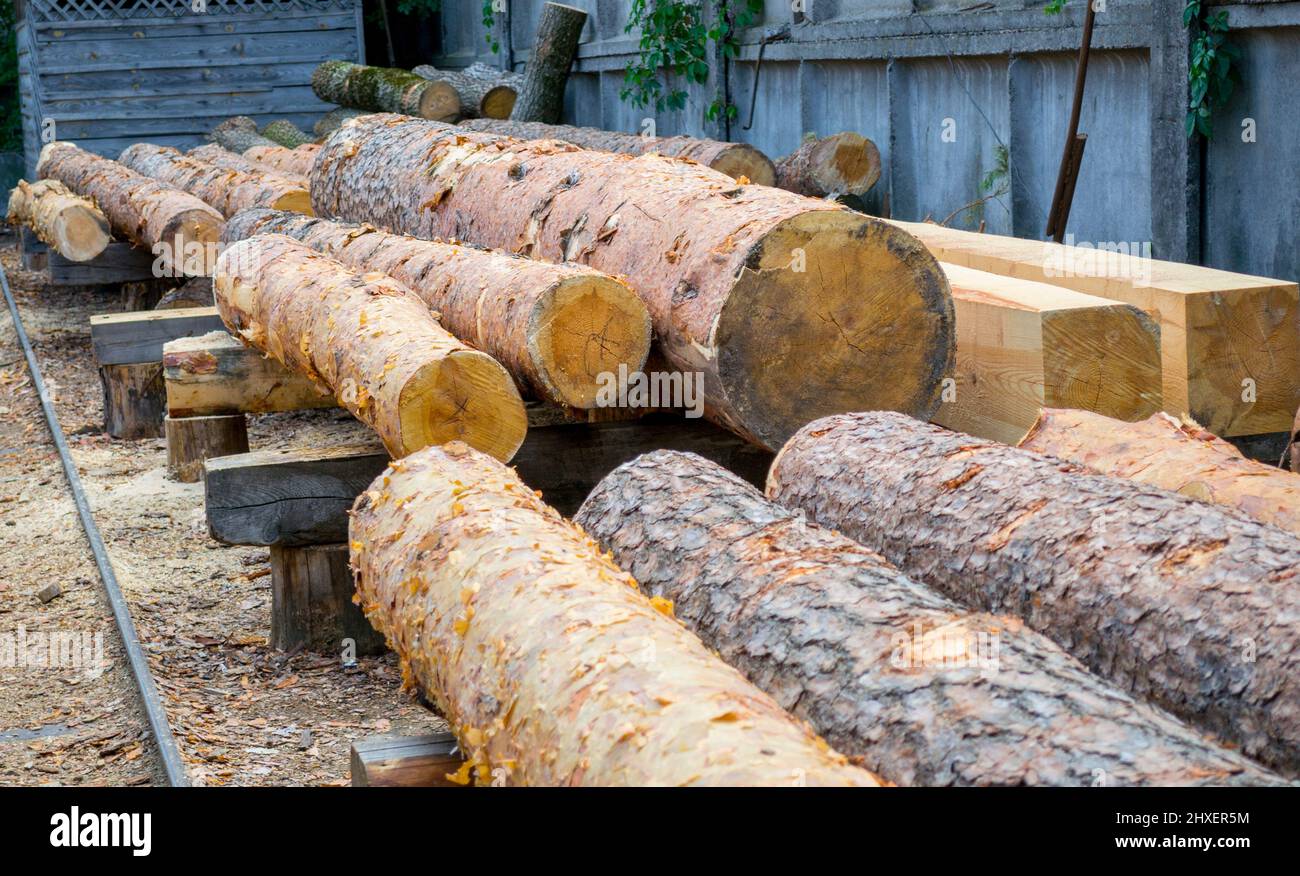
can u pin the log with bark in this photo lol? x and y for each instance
(70, 224)
(384, 89)
(330, 122)
(736, 160)
(549, 666)
(484, 91)
(924, 691)
(222, 157)
(790, 307)
(230, 191)
(843, 164)
(195, 292)
(149, 213)
(239, 133)
(1189, 605)
(286, 133)
(1172, 454)
(372, 343)
(541, 97)
(561, 330)
(295, 163)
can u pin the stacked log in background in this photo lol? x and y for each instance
(226, 189)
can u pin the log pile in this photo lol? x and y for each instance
(555, 45)
(211, 153)
(332, 120)
(790, 307)
(549, 666)
(843, 164)
(923, 691)
(238, 134)
(286, 133)
(557, 328)
(1173, 455)
(229, 191)
(385, 89)
(60, 218)
(149, 213)
(372, 343)
(294, 163)
(484, 92)
(740, 161)
(1186, 604)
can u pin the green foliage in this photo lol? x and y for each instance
(676, 37)
(11, 125)
(419, 8)
(1212, 72)
(1054, 7)
(489, 22)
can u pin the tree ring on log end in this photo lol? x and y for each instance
(1116, 379)
(846, 163)
(194, 236)
(295, 201)
(741, 159)
(584, 327)
(439, 102)
(445, 400)
(834, 312)
(498, 102)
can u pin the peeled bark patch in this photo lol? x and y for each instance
(924, 691)
(372, 343)
(144, 211)
(791, 308)
(291, 162)
(1192, 606)
(71, 224)
(221, 157)
(549, 666)
(224, 188)
(843, 164)
(559, 329)
(736, 160)
(1174, 455)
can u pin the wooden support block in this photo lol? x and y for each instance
(213, 373)
(127, 338)
(191, 440)
(119, 263)
(302, 496)
(1023, 346)
(134, 400)
(1230, 343)
(311, 603)
(34, 251)
(406, 761)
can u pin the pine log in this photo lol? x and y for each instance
(557, 328)
(1230, 343)
(483, 91)
(195, 292)
(924, 691)
(149, 213)
(1173, 455)
(222, 157)
(72, 225)
(384, 89)
(843, 164)
(740, 161)
(330, 122)
(790, 308)
(238, 134)
(294, 163)
(372, 342)
(1023, 345)
(230, 191)
(541, 97)
(1191, 606)
(549, 666)
(286, 133)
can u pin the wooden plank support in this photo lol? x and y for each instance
(191, 440)
(1230, 343)
(297, 497)
(120, 262)
(311, 603)
(128, 338)
(35, 254)
(406, 761)
(133, 400)
(213, 374)
(1022, 346)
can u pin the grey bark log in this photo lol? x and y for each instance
(556, 45)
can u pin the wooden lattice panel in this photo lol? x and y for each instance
(100, 10)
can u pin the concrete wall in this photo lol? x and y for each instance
(943, 91)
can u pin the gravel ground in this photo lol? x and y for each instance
(242, 713)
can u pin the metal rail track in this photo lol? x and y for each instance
(162, 731)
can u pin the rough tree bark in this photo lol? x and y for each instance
(736, 160)
(294, 163)
(71, 224)
(239, 133)
(557, 328)
(384, 89)
(483, 90)
(371, 342)
(286, 133)
(924, 691)
(146, 212)
(230, 191)
(222, 157)
(1173, 454)
(330, 122)
(195, 292)
(549, 666)
(790, 308)
(541, 98)
(1189, 605)
(843, 164)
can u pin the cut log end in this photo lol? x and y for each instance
(1116, 378)
(846, 164)
(874, 332)
(294, 201)
(196, 236)
(584, 327)
(466, 396)
(81, 234)
(744, 160)
(439, 102)
(498, 102)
